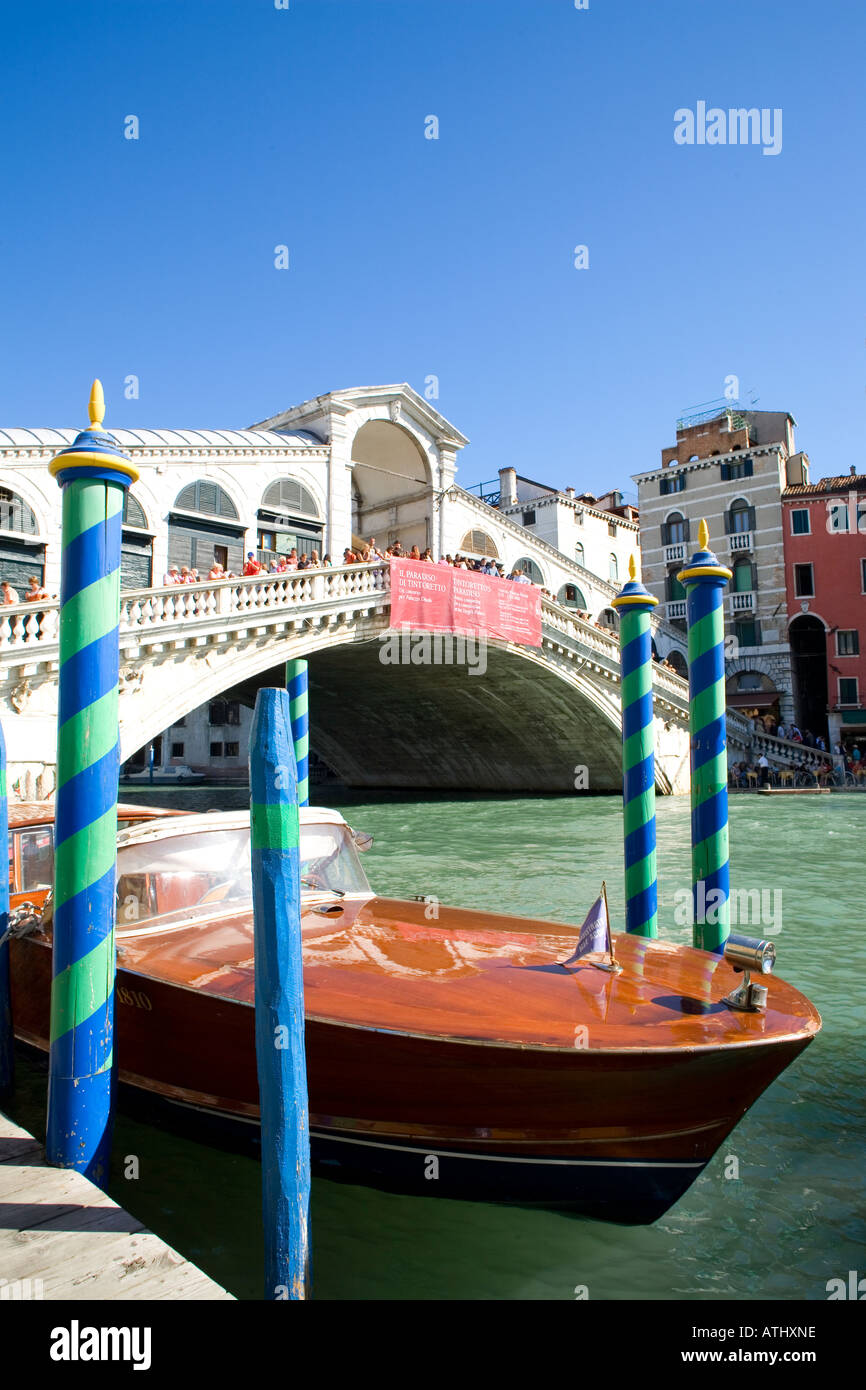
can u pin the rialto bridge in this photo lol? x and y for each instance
(377, 461)
(528, 723)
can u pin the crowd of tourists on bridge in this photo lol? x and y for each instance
(34, 592)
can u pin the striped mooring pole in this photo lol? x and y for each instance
(93, 474)
(297, 684)
(705, 580)
(7, 1041)
(279, 999)
(634, 604)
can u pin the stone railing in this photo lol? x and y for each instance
(29, 631)
(784, 752)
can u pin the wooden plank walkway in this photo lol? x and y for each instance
(55, 1226)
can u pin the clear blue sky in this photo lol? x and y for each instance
(454, 257)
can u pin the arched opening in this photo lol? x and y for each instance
(288, 519)
(609, 618)
(392, 487)
(578, 553)
(570, 596)
(754, 695)
(613, 568)
(740, 517)
(679, 663)
(479, 546)
(808, 640)
(203, 529)
(675, 529)
(19, 558)
(530, 569)
(136, 546)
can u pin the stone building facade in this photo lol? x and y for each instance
(731, 467)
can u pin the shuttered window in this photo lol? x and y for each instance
(18, 561)
(205, 496)
(288, 495)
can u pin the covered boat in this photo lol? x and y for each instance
(449, 1051)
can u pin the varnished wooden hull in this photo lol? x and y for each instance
(615, 1132)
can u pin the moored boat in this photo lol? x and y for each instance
(449, 1051)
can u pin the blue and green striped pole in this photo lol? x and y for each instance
(279, 999)
(297, 684)
(7, 1042)
(635, 603)
(93, 474)
(705, 581)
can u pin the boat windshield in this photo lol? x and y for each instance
(212, 867)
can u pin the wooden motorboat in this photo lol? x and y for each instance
(449, 1052)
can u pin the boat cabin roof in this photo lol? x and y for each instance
(198, 821)
(26, 813)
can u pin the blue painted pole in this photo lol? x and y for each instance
(705, 581)
(279, 999)
(7, 1041)
(93, 474)
(635, 604)
(297, 684)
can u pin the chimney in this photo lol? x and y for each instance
(569, 492)
(853, 471)
(507, 487)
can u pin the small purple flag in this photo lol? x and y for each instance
(594, 934)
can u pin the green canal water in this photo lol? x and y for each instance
(792, 1219)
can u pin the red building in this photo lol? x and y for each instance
(824, 528)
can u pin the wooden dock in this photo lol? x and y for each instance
(63, 1238)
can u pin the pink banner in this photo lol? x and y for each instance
(439, 598)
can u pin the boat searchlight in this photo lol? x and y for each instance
(747, 953)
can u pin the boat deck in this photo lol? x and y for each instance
(63, 1238)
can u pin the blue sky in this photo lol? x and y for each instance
(453, 257)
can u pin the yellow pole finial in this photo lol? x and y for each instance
(703, 535)
(632, 568)
(96, 409)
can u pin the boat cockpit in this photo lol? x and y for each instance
(171, 871)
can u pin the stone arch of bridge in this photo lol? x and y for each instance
(523, 723)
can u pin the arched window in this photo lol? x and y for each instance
(572, 597)
(740, 517)
(530, 569)
(288, 495)
(613, 569)
(206, 497)
(480, 544)
(288, 520)
(213, 535)
(19, 558)
(675, 530)
(133, 512)
(609, 619)
(15, 515)
(136, 549)
(678, 661)
(578, 553)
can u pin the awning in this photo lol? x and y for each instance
(853, 716)
(752, 699)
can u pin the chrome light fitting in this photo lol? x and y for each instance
(745, 954)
